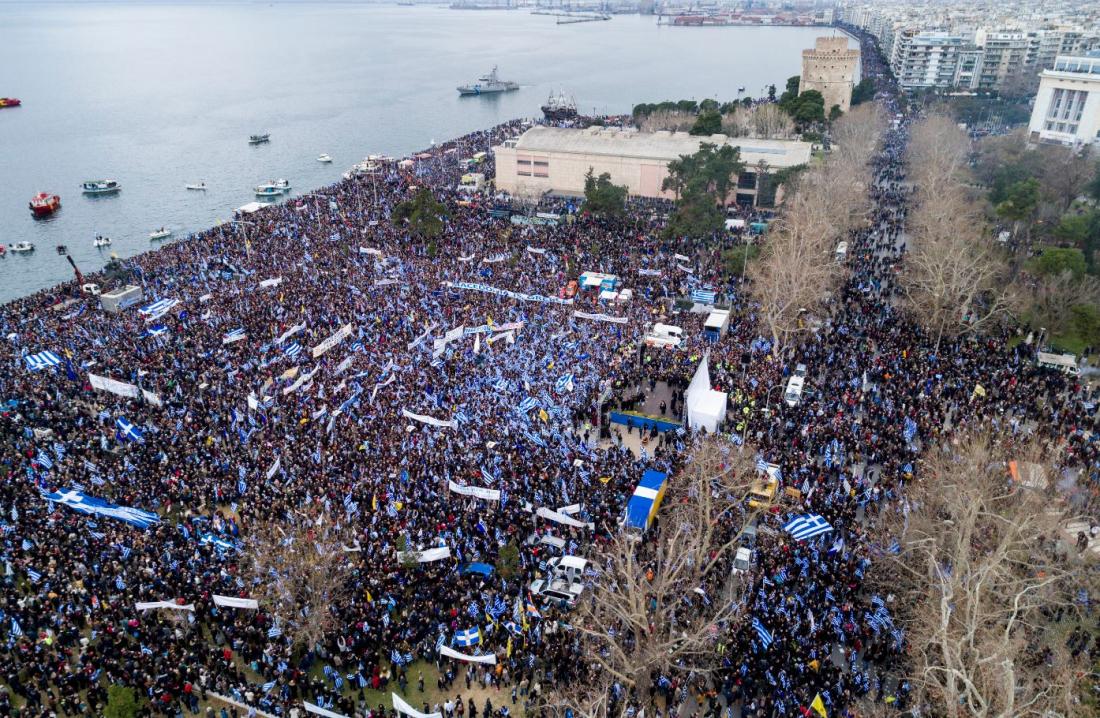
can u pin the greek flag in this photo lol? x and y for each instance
(15, 629)
(34, 576)
(241, 486)
(216, 542)
(43, 459)
(535, 439)
(703, 296)
(527, 405)
(400, 659)
(42, 360)
(234, 336)
(126, 551)
(564, 384)
(762, 633)
(156, 330)
(807, 526)
(79, 501)
(158, 309)
(59, 450)
(266, 688)
(128, 431)
(498, 609)
(469, 637)
(274, 632)
(910, 430)
(293, 350)
(357, 346)
(486, 476)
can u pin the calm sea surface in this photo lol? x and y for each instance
(157, 96)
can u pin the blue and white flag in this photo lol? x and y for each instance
(158, 309)
(535, 439)
(34, 576)
(910, 430)
(807, 526)
(59, 450)
(79, 501)
(467, 638)
(156, 330)
(564, 384)
(762, 632)
(293, 350)
(129, 431)
(42, 360)
(703, 296)
(119, 583)
(43, 459)
(15, 629)
(234, 336)
(274, 632)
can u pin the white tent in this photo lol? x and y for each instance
(708, 411)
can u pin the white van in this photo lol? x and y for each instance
(564, 581)
(841, 251)
(793, 393)
(664, 335)
(1065, 363)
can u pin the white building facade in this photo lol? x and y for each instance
(1067, 106)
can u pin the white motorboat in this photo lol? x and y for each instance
(324, 158)
(102, 186)
(22, 247)
(274, 188)
(162, 233)
(101, 241)
(198, 186)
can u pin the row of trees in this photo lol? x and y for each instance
(796, 272)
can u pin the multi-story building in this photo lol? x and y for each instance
(830, 68)
(1067, 106)
(925, 59)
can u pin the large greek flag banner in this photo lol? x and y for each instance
(79, 501)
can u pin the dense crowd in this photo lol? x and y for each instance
(243, 429)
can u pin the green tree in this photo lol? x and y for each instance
(708, 105)
(808, 108)
(863, 91)
(771, 93)
(422, 215)
(1055, 260)
(834, 113)
(1086, 324)
(696, 215)
(601, 196)
(404, 553)
(1073, 228)
(736, 259)
(708, 122)
(1093, 187)
(508, 561)
(121, 702)
(1021, 200)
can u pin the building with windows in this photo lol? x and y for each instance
(555, 160)
(926, 58)
(1067, 106)
(830, 68)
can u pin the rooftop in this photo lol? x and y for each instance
(664, 145)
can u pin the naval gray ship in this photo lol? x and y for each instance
(488, 84)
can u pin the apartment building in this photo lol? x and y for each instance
(1067, 105)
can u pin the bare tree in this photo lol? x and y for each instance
(1049, 301)
(659, 600)
(299, 573)
(938, 155)
(674, 120)
(979, 573)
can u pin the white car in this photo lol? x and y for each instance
(563, 581)
(743, 560)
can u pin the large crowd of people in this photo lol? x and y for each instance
(247, 419)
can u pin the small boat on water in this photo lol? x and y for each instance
(162, 233)
(274, 188)
(198, 186)
(101, 241)
(324, 158)
(488, 84)
(258, 139)
(559, 108)
(22, 247)
(44, 204)
(103, 186)
(10, 102)
(3, 250)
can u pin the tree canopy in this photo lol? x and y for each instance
(603, 197)
(422, 215)
(702, 181)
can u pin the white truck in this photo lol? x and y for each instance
(563, 580)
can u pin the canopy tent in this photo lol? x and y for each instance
(717, 323)
(708, 411)
(598, 280)
(647, 498)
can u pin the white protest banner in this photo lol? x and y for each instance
(454, 334)
(506, 293)
(290, 332)
(494, 259)
(342, 333)
(506, 327)
(389, 380)
(272, 282)
(561, 518)
(467, 259)
(489, 658)
(370, 250)
(151, 397)
(274, 467)
(681, 257)
(430, 420)
(253, 402)
(650, 272)
(234, 337)
(682, 268)
(425, 556)
(299, 381)
(422, 337)
(510, 336)
(115, 387)
(385, 282)
(570, 509)
(483, 329)
(206, 298)
(404, 708)
(477, 491)
(600, 317)
(231, 602)
(534, 250)
(149, 605)
(317, 710)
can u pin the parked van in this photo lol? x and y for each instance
(664, 335)
(841, 251)
(793, 394)
(1065, 363)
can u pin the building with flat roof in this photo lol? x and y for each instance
(555, 160)
(1067, 106)
(830, 68)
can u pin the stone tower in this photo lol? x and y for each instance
(830, 69)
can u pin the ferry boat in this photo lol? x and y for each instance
(274, 188)
(324, 158)
(559, 108)
(103, 186)
(198, 186)
(488, 84)
(101, 241)
(44, 204)
(162, 233)
(10, 102)
(22, 247)
(258, 139)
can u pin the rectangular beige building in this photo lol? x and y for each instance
(555, 160)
